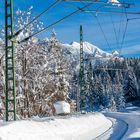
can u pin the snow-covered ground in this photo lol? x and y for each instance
(118, 126)
(77, 127)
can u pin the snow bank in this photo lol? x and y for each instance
(78, 127)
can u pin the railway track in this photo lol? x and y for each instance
(113, 132)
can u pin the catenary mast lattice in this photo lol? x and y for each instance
(9, 63)
(81, 72)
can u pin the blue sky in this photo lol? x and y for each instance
(68, 30)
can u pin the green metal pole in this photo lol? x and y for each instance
(9, 62)
(81, 73)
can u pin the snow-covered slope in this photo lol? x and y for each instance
(78, 127)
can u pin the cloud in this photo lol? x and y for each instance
(131, 50)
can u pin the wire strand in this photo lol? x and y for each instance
(124, 36)
(119, 30)
(103, 32)
(100, 28)
(125, 31)
(114, 29)
(58, 21)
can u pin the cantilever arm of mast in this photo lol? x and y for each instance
(112, 12)
(100, 2)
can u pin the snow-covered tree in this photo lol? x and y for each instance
(107, 83)
(58, 86)
(118, 92)
(89, 87)
(30, 61)
(98, 94)
(130, 86)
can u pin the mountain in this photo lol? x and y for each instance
(92, 54)
(89, 49)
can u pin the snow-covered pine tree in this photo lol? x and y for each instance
(118, 92)
(98, 94)
(134, 63)
(107, 83)
(74, 86)
(130, 86)
(89, 87)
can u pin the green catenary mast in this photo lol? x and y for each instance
(9, 63)
(81, 73)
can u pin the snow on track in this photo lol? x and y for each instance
(105, 134)
(131, 117)
(114, 133)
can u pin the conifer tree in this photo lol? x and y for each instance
(130, 86)
(118, 92)
(90, 87)
(98, 92)
(107, 83)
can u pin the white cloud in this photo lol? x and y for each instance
(131, 50)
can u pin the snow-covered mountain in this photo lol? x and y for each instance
(89, 49)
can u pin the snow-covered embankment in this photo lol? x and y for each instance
(83, 127)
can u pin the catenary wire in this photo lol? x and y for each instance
(58, 21)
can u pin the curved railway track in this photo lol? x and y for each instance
(112, 132)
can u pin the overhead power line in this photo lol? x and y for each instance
(50, 7)
(58, 21)
(120, 26)
(125, 31)
(104, 35)
(114, 29)
(124, 35)
(98, 21)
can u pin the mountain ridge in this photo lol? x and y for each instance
(90, 49)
